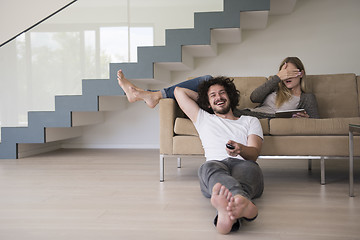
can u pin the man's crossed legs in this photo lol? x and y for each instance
(231, 184)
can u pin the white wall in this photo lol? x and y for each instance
(323, 33)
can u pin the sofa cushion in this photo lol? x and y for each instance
(303, 126)
(308, 146)
(336, 95)
(184, 126)
(187, 145)
(265, 126)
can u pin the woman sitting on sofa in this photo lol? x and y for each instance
(284, 91)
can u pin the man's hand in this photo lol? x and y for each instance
(235, 149)
(249, 152)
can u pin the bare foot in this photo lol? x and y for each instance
(220, 198)
(151, 98)
(134, 93)
(240, 206)
(129, 88)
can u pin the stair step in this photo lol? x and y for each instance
(281, 7)
(246, 5)
(71, 103)
(13, 135)
(87, 118)
(30, 149)
(209, 50)
(187, 36)
(112, 103)
(132, 70)
(56, 134)
(254, 20)
(227, 35)
(43, 119)
(102, 87)
(186, 64)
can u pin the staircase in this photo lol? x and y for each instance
(46, 128)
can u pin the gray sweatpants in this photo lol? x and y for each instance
(239, 176)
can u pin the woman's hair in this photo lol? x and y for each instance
(283, 93)
(227, 83)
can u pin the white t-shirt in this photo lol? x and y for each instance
(215, 132)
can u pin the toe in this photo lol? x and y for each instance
(216, 189)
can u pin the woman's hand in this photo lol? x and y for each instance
(301, 115)
(286, 73)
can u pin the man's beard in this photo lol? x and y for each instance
(219, 110)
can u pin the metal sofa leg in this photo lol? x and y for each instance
(309, 164)
(322, 170)
(161, 168)
(179, 162)
(351, 164)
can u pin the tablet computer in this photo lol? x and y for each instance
(287, 113)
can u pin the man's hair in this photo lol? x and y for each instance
(227, 83)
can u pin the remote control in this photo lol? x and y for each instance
(229, 146)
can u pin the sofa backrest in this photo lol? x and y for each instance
(246, 85)
(336, 94)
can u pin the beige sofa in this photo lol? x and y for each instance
(338, 103)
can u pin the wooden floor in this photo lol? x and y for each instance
(116, 194)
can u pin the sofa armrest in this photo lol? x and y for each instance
(168, 113)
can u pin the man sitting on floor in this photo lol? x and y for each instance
(230, 176)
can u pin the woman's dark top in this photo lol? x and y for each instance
(307, 100)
